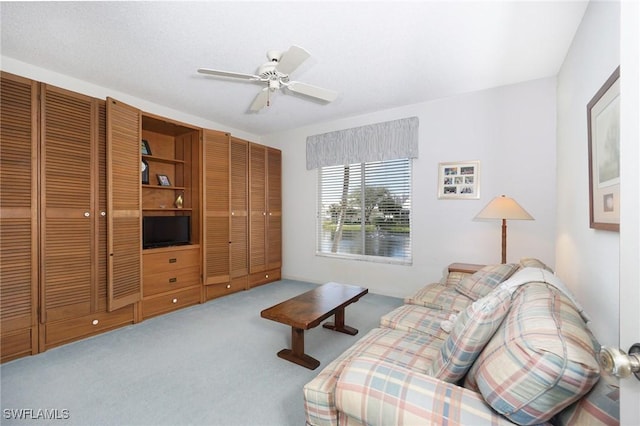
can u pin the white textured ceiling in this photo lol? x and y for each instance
(378, 55)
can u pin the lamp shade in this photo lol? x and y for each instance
(503, 208)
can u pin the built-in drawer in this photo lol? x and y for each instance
(63, 331)
(218, 290)
(176, 258)
(170, 302)
(260, 278)
(162, 282)
(15, 344)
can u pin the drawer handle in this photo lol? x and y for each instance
(174, 301)
(95, 322)
(228, 285)
(173, 260)
(173, 280)
(266, 276)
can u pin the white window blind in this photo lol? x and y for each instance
(364, 211)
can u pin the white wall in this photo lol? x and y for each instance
(511, 130)
(587, 260)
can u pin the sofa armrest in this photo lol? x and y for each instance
(379, 393)
(466, 268)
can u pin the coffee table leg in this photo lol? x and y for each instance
(339, 325)
(296, 353)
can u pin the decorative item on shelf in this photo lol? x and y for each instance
(179, 201)
(144, 148)
(163, 180)
(504, 208)
(145, 172)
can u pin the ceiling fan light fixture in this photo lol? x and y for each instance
(275, 74)
(274, 84)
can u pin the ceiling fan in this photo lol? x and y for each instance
(275, 76)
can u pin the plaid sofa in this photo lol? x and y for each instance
(472, 349)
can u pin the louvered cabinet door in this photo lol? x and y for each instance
(258, 208)
(239, 209)
(18, 216)
(101, 205)
(123, 204)
(274, 208)
(67, 187)
(216, 212)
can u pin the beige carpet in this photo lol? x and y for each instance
(210, 364)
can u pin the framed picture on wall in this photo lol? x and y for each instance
(459, 180)
(603, 122)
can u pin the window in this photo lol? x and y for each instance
(364, 211)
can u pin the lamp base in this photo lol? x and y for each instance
(504, 240)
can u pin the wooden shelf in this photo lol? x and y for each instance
(174, 149)
(163, 160)
(165, 209)
(173, 188)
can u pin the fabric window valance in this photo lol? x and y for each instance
(389, 140)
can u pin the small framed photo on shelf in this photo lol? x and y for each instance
(163, 180)
(459, 180)
(144, 148)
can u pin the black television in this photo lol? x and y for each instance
(165, 231)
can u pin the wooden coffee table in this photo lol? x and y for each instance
(310, 309)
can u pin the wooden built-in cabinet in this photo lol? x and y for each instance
(18, 216)
(265, 241)
(175, 153)
(54, 212)
(72, 207)
(226, 215)
(73, 219)
(124, 231)
(216, 237)
(239, 248)
(171, 275)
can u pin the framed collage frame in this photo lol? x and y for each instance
(459, 180)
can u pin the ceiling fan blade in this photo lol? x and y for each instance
(260, 101)
(313, 91)
(230, 74)
(292, 59)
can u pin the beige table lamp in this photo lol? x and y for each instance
(504, 208)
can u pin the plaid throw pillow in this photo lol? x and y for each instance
(485, 280)
(470, 333)
(541, 359)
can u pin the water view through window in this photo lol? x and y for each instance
(364, 210)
